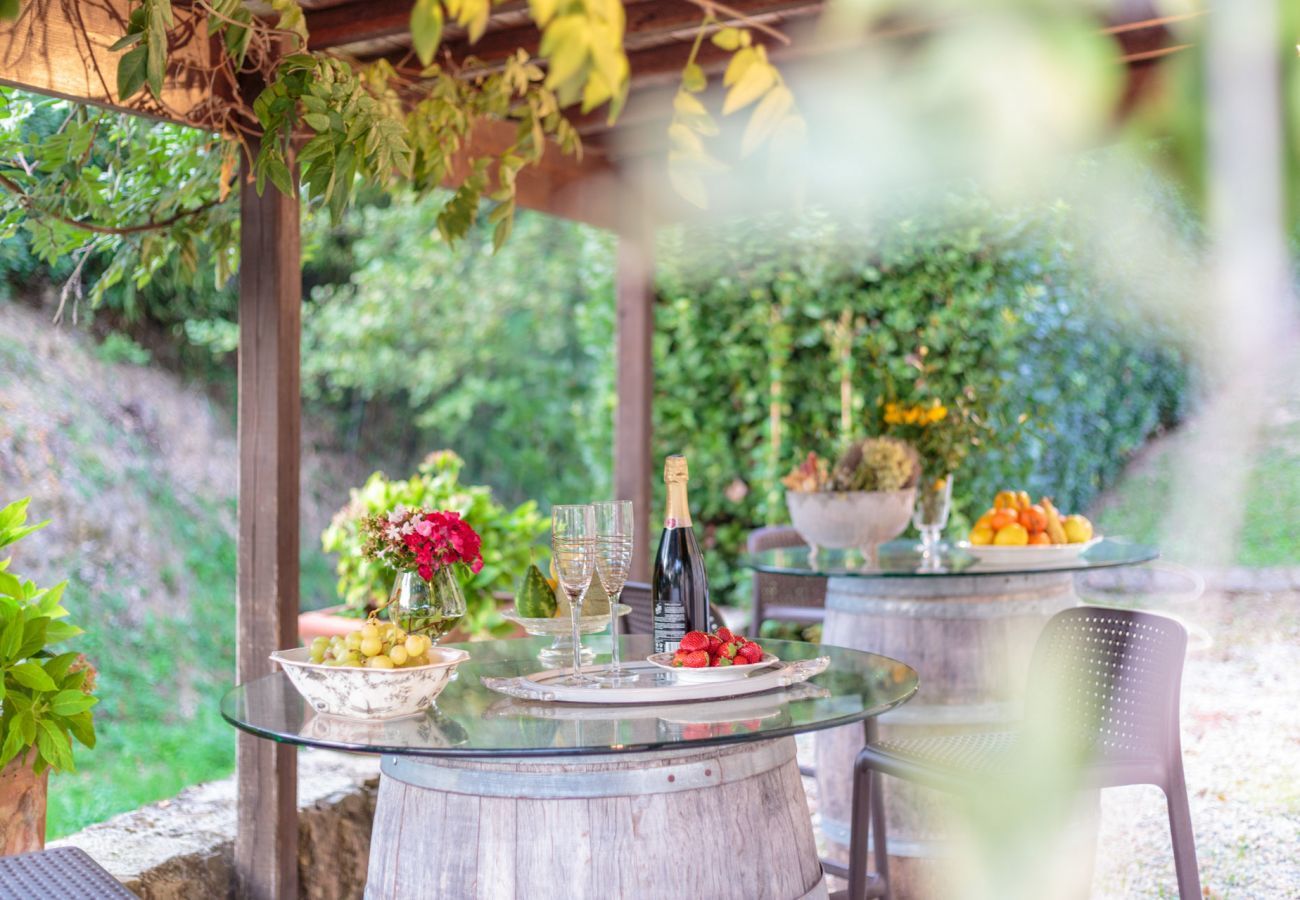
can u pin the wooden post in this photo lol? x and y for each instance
(633, 463)
(270, 308)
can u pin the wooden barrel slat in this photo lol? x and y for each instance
(734, 825)
(970, 639)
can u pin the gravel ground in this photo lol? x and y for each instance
(1241, 752)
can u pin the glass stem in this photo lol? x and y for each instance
(614, 666)
(577, 638)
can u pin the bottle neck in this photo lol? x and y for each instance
(678, 514)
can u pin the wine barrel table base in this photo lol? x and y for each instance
(720, 822)
(970, 638)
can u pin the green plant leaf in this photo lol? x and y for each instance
(82, 726)
(426, 28)
(57, 667)
(60, 631)
(11, 639)
(69, 703)
(9, 9)
(54, 745)
(131, 72)
(30, 675)
(13, 745)
(33, 637)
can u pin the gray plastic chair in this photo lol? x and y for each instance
(641, 620)
(66, 873)
(1112, 678)
(789, 598)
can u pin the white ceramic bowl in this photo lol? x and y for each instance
(711, 674)
(839, 520)
(1033, 555)
(369, 693)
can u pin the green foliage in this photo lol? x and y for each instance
(504, 357)
(994, 307)
(509, 536)
(46, 696)
(110, 200)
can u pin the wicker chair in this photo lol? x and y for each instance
(1111, 678)
(790, 598)
(641, 620)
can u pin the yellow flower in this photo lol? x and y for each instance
(914, 415)
(937, 413)
(892, 415)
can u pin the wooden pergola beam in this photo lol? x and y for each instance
(266, 612)
(634, 285)
(63, 50)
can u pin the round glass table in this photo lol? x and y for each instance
(968, 627)
(489, 795)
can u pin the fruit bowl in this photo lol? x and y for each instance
(711, 673)
(364, 693)
(1045, 555)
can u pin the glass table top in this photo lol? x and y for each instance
(468, 719)
(902, 558)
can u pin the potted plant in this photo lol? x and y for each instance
(365, 583)
(866, 498)
(45, 695)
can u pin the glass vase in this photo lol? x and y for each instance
(432, 608)
(930, 516)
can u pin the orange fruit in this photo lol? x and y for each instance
(1022, 500)
(1014, 535)
(986, 518)
(1039, 537)
(1002, 518)
(1005, 500)
(1033, 518)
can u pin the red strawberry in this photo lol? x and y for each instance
(724, 635)
(714, 644)
(751, 653)
(694, 640)
(679, 658)
(728, 650)
(721, 661)
(696, 659)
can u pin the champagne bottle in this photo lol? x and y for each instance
(679, 588)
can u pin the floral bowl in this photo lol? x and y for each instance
(839, 520)
(369, 693)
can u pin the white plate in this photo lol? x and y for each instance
(1045, 555)
(709, 675)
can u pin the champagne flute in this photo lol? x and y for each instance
(573, 548)
(614, 530)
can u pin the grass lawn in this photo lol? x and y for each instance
(1138, 506)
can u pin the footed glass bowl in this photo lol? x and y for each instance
(560, 653)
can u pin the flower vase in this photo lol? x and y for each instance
(432, 607)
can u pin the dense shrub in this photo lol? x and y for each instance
(760, 325)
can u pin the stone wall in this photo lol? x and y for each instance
(182, 848)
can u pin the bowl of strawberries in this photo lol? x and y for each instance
(704, 656)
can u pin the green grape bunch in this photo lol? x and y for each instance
(375, 645)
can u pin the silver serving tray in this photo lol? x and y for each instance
(652, 684)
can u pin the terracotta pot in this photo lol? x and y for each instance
(326, 623)
(22, 806)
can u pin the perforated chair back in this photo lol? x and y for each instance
(66, 873)
(1111, 677)
(796, 598)
(641, 620)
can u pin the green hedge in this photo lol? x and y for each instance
(996, 304)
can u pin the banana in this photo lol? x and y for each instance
(1055, 530)
(1022, 500)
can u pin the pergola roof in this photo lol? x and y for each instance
(47, 51)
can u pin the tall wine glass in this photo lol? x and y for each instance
(573, 548)
(614, 528)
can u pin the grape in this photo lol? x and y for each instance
(397, 653)
(371, 646)
(415, 645)
(369, 630)
(380, 662)
(353, 640)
